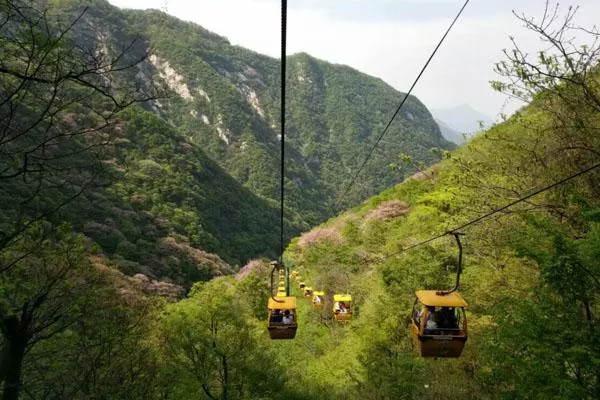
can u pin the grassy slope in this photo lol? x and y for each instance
(490, 171)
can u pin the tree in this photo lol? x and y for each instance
(215, 349)
(59, 100)
(557, 134)
(43, 290)
(562, 66)
(564, 80)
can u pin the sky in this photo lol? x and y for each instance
(389, 39)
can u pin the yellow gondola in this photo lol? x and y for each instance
(302, 285)
(308, 291)
(282, 317)
(281, 293)
(318, 299)
(281, 288)
(439, 324)
(342, 307)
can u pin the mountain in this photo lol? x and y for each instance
(449, 133)
(462, 119)
(225, 99)
(195, 185)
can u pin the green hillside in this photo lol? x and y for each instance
(173, 201)
(530, 274)
(79, 149)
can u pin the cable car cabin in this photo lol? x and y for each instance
(342, 307)
(308, 292)
(302, 285)
(318, 299)
(282, 317)
(281, 288)
(281, 293)
(439, 324)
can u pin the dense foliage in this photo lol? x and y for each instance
(106, 182)
(170, 202)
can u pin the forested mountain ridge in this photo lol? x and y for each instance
(226, 99)
(215, 100)
(151, 201)
(172, 207)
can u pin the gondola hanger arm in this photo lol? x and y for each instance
(457, 236)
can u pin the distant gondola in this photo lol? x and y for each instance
(342, 307)
(318, 299)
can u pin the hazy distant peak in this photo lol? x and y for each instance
(462, 118)
(449, 133)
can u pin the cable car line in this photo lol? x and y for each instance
(282, 310)
(276, 265)
(353, 181)
(283, 70)
(497, 210)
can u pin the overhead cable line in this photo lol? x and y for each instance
(497, 210)
(283, 68)
(353, 181)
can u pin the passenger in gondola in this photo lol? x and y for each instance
(448, 318)
(431, 323)
(418, 315)
(288, 318)
(276, 317)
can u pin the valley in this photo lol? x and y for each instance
(139, 189)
